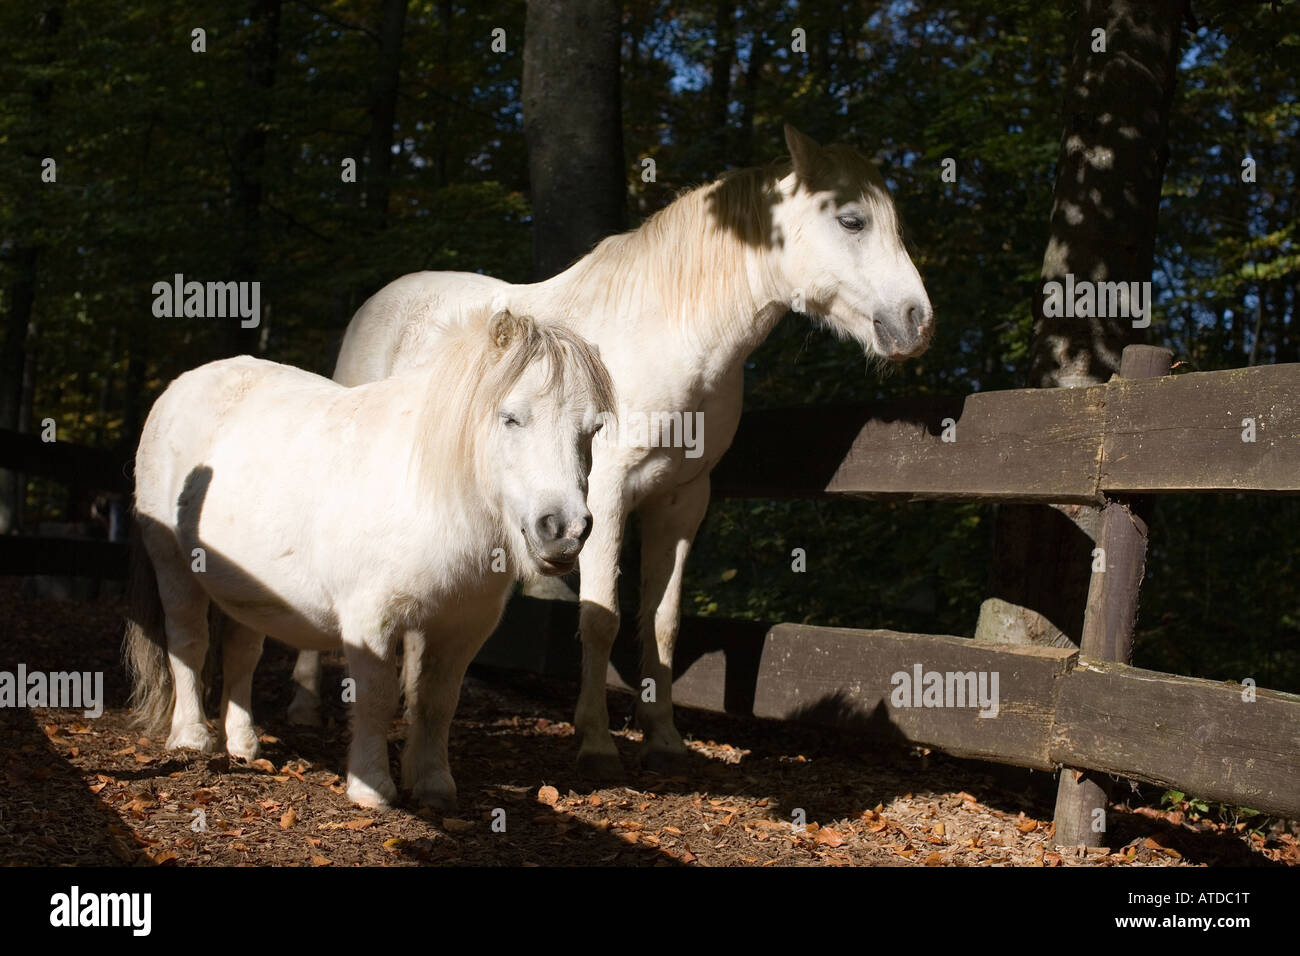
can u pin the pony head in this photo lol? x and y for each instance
(523, 411)
(836, 243)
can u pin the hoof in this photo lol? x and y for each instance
(668, 763)
(243, 744)
(600, 766)
(192, 737)
(364, 795)
(437, 798)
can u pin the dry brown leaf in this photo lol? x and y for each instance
(288, 819)
(320, 861)
(548, 795)
(940, 829)
(1027, 826)
(829, 837)
(454, 825)
(261, 763)
(934, 859)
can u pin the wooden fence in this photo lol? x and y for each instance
(1080, 708)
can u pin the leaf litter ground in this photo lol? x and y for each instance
(94, 791)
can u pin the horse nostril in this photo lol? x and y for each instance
(583, 525)
(548, 527)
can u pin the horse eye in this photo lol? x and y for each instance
(852, 223)
(509, 420)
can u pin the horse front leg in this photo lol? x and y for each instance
(668, 527)
(372, 663)
(598, 618)
(304, 709)
(433, 681)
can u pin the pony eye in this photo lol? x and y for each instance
(852, 223)
(509, 420)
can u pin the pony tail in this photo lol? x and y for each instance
(144, 647)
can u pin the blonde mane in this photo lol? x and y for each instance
(692, 257)
(483, 359)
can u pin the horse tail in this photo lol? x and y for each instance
(145, 645)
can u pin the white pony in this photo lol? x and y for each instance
(675, 307)
(330, 516)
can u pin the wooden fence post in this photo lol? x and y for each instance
(1109, 618)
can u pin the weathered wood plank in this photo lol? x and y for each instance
(1063, 446)
(63, 461)
(1184, 433)
(62, 556)
(1022, 445)
(841, 675)
(1194, 735)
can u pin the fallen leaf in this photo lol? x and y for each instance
(548, 795)
(1027, 826)
(454, 825)
(289, 818)
(829, 837)
(346, 825)
(940, 829)
(934, 859)
(320, 861)
(261, 763)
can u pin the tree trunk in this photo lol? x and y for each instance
(573, 127)
(1103, 226)
(383, 113)
(249, 164)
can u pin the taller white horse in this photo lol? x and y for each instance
(329, 517)
(675, 307)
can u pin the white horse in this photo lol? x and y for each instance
(328, 516)
(675, 307)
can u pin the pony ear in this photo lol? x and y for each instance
(804, 151)
(504, 327)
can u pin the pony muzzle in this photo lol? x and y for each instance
(904, 332)
(557, 540)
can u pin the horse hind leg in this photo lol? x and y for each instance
(241, 651)
(304, 709)
(185, 610)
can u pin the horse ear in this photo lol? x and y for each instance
(504, 327)
(804, 151)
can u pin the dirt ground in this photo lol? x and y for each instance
(93, 791)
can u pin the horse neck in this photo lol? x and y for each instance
(683, 273)
(458, 520)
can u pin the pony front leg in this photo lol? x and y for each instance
(241, 650)
(370, 649)
(434, 673)
(668, 527)
(598, 619)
